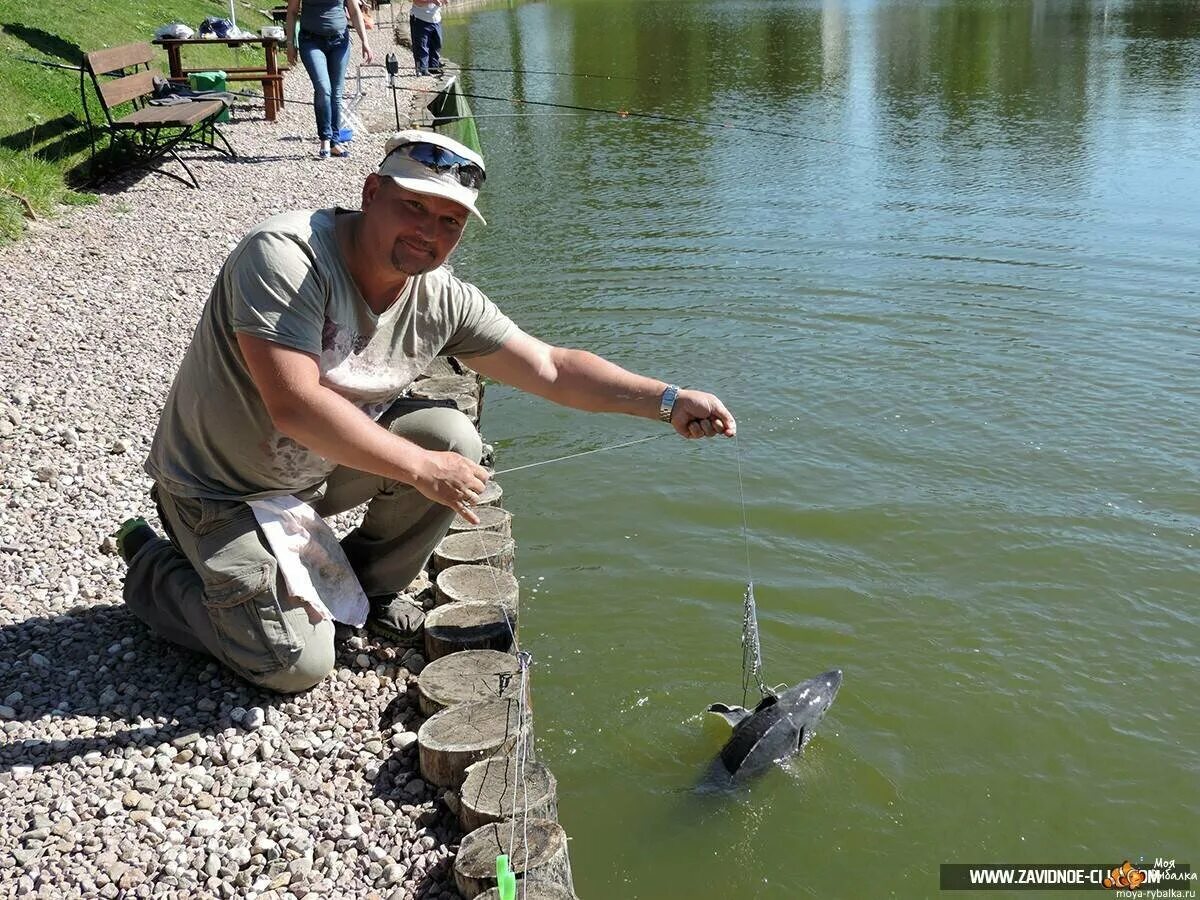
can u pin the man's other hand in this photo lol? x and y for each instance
(452, 480)
(698, 415)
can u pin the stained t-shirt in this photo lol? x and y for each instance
(286, 282)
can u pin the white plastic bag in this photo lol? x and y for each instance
(311, 560)
(272, 31)
(174, 31)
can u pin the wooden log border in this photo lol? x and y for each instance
(466, 743)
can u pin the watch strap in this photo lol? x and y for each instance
(666, 405)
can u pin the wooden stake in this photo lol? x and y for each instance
(466, 677)
(475, 865)
(491, 786)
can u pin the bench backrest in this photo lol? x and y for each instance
(131, 63)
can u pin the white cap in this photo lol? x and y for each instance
(414, 176)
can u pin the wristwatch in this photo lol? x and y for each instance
(667, 405)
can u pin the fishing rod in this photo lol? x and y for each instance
(656, 117)
(561, 74)
(48, 64)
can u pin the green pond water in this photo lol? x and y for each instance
(956, 314)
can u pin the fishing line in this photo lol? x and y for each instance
(563, 74)
(547, 462)
(655, 117)
(521, 748)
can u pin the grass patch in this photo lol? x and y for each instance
(43, 133)
(31, 187)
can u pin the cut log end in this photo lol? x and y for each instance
(474, 548)
(538, 850)
(533, 889)
(470, 583)
(469, 626)
(467, 677)
(493, 791)
(460, 735)
(491, 518)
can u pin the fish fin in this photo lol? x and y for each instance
(731, 714)
(768, 700)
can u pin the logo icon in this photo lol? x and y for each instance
(1124, 877)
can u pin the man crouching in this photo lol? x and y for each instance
(288, 407)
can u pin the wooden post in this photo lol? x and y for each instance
(469, 626)
(468, 676)
(462, 389)
(493, 792)
(542, 842)
(491, 518)
(460, 735)
(479, 548)
(470, 583)
(491, 496)
(533, 889)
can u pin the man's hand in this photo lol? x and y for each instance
(291, 54)
(452, 480)
(698, 415)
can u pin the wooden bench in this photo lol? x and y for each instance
(123, 78)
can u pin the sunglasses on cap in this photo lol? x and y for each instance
(469, 174)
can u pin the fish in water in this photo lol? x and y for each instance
(774, 730)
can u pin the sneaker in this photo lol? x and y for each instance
(323, 153)
(397, 618)
(339, 150)
(133, 534)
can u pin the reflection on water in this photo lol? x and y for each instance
(955, 313)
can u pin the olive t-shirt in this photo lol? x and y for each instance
(286, 282)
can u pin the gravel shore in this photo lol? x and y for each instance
(130, 767)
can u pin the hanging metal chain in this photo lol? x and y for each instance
(751, 649)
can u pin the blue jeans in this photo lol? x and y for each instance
(325, 58)
(426, 43)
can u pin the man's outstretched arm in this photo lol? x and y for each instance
(585, 381)
(289, 382)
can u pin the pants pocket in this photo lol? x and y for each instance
(249, 620)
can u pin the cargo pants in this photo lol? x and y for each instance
(215, 586)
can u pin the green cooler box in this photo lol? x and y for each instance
(210, 81)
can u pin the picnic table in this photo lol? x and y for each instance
(269, 73)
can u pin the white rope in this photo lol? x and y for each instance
(520, 751)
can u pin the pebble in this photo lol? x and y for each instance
(254, 719)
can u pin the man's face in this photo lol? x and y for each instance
(410, 232)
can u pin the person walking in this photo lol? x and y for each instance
(425, 28)
(324, 46)
(292, 392)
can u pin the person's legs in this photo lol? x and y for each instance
(312, 54)
(435, 47)
(215, 588)
(337, 53)
(401, 527)
(418, 31)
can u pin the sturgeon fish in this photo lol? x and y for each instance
(779, 727)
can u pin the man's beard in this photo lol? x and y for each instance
(410, 262)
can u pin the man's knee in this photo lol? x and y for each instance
(440, 428)
(314, 662)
